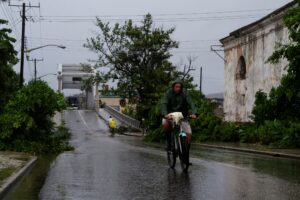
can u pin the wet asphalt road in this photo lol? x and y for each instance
(122, 167)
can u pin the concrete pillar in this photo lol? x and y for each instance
(96, 98)
(90, 101)
(59, 78)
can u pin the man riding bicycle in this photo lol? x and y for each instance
(177, 99)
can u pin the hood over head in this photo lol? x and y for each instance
(177, 81)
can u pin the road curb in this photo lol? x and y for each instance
(14, 178)
(132, 134)
(268, 153)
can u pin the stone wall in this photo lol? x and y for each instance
(254, 45)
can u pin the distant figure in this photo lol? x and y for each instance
(112, 123)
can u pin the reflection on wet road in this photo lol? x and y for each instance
(102, 167)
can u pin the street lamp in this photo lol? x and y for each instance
(48, 45)
(28, 51)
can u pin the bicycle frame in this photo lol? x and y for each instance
(177, 131)
(177, 137)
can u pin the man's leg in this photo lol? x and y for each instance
(186, 127)
(167, 130)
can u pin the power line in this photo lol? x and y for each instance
(41, 34)
(13, 23)
(192, 16)
(185, 19)
(10, 21)
(181, 42)
(170, 14)
(24, 6)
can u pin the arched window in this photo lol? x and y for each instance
(241, 68)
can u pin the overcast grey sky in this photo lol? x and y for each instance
(198, 23)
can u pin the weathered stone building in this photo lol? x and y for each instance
(246, 71)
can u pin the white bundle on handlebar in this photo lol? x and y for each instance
(176, 117)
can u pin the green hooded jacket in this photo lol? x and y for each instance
(182, 102)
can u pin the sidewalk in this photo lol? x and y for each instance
(255, 149)
(12, 167)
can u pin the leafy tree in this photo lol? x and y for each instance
(8, 77)
(27, 118)
(283, 102)
(138, 57)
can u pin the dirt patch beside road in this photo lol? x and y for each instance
(11, 162)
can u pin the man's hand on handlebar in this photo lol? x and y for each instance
(169, 117)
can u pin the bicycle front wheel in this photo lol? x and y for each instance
(184, 154)
(172, 154)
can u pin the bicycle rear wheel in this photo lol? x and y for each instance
(184, 154)
(112, 132)
(172, 154)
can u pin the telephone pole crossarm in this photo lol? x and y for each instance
(29, 6)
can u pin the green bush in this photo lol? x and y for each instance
(57, 141)
(248, 133)
(156, 135)
(280, 134)
(291, 136)
(229, 132)
(209, 128)
(26, 123)
(270, 132)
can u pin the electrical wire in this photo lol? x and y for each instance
(10, 20)
(41, 33)
(166, 20)
(170, 14)
(12, 24)
(173, 17)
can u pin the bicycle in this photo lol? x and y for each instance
(179, 144)
(112, 132)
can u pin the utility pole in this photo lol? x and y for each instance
(22, 45)
(24, 6)
(200, 85)
(35, 61)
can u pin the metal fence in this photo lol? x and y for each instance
(129, 121)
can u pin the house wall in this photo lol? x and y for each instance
(256, 45)
(111, 101)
